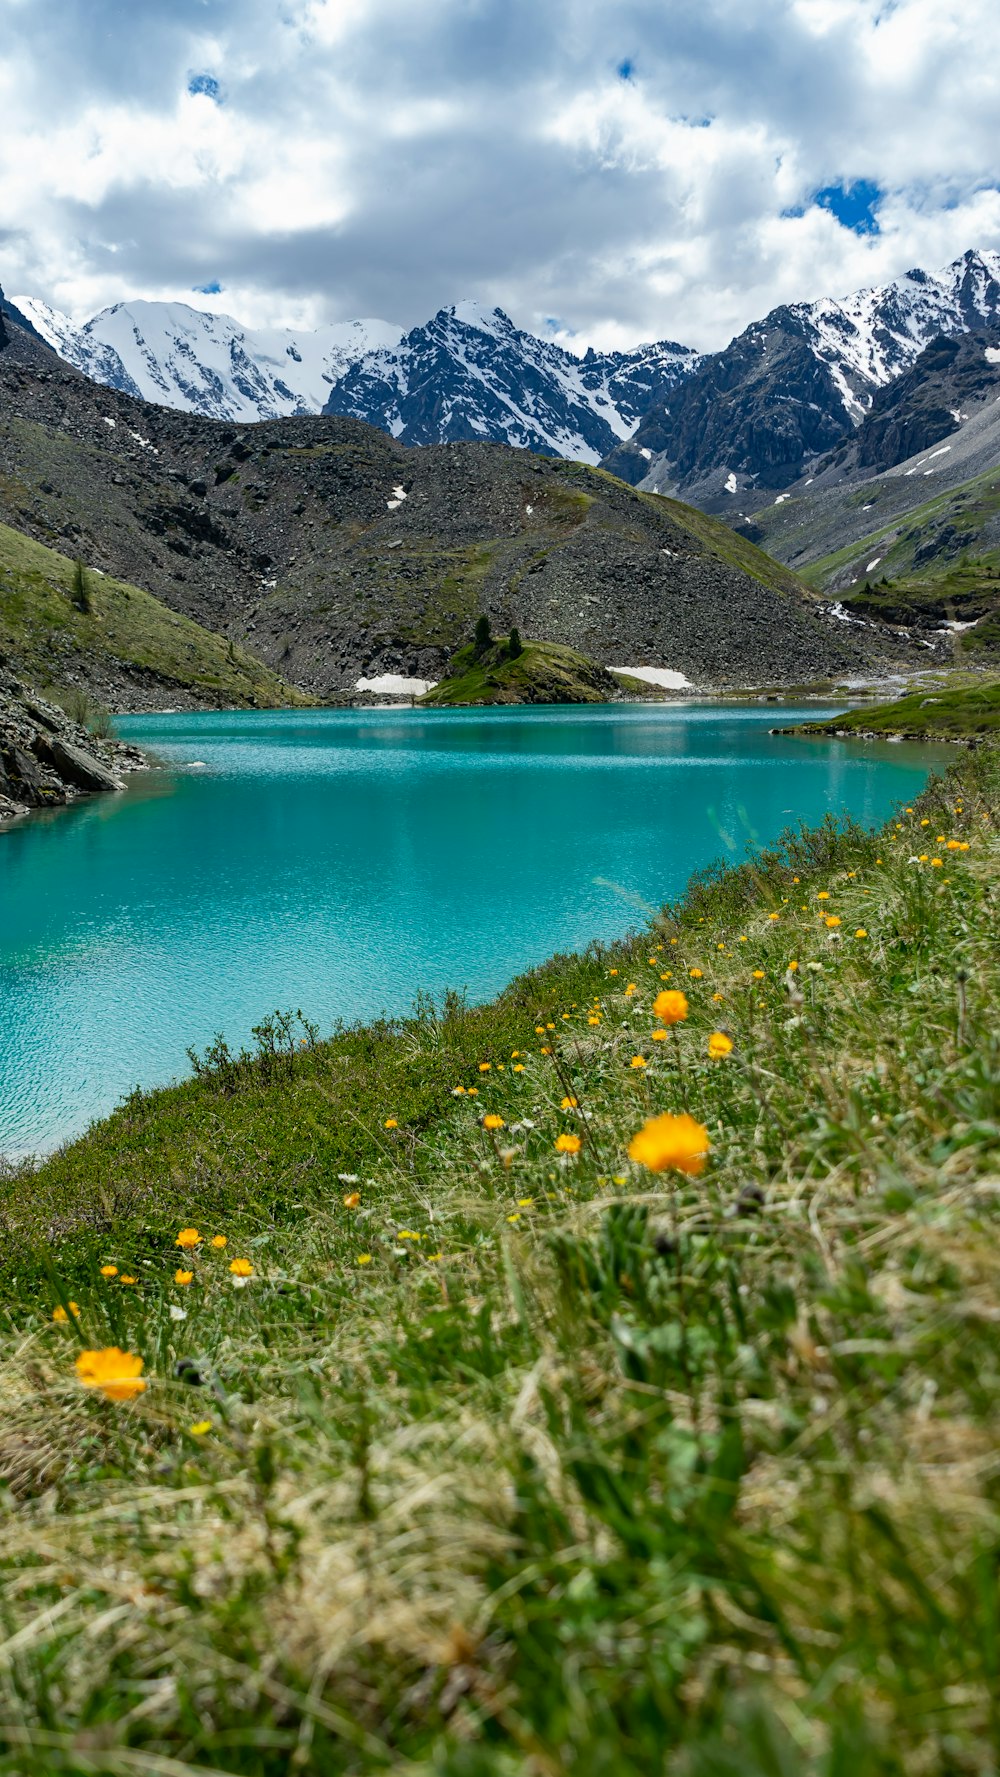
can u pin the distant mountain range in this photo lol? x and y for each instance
(790, 389)
(725, 430)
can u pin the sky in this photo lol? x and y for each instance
(607, 171)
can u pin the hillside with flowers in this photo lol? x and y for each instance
(604, 1379)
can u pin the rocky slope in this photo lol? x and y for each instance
(762, 413)
(46, 760)
(470, 373)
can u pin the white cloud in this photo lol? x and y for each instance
(370, 157)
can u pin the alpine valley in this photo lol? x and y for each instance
(338, 508)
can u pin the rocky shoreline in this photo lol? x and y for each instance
(47, 760)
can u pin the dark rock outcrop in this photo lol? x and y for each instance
(47, 760)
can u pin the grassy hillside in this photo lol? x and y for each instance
(938, 562)
(951, 710)
(483, 1448)
(540, 673)
(114, 635)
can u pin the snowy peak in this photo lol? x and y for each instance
(470, 373)
(877, 334)
(182, 357)
(795, 386)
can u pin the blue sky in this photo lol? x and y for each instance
(606, 170)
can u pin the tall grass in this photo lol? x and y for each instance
(512, 1461)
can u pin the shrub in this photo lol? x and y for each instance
(483, 634)
(80, 591)
(515, 646)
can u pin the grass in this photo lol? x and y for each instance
(544, 672)
(588, 1467)
(946, 711)
(47, 627)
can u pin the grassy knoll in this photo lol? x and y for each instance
(51, 622)
(543, 672)
(954, 710)
(510, 1458)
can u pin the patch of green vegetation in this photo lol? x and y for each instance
(56, 614)
(541, 672)
(514, 1453)
(961, 711)
(730, 547)
(968, 509)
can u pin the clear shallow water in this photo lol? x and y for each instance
(342, 860)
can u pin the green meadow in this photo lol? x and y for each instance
(384, 1404)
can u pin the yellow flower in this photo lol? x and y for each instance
(183, 1277)
(936, 864)
(758, 974)
(484, 1067)
(391, 1123)
(671, 1006)
(241, 1268)
(569, 1104)
(188, 1237)
(526, 1203)
(518, 1067)
(473, 1091)
(593, 1021)
(434, 1257)
(658, 1036)
(118, 1374)
(795, 879)
(695, 974)
(824, 895)
(925, 823)
(861, 933)
(364, 1258)
(743, 940)
(568, 1144)
(200, 1427)
(109, 1270)
(793, 968)
(540, 1028)
(59, 1313)
(832, 920)
(125, 1279)
(638, 1061)
(671, 1141)
(545, 1049)
(491, 1121)
(220, 1240)
(612, 971)
(774, 916)
(719, 1045)
(458, 1092)
(550, 1027)
(352, 1199)
(630, 989)
(718, 998)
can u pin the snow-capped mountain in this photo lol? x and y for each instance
(470, 373)
(178, 356)
(790, 388)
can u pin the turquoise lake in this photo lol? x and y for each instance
(342, 861)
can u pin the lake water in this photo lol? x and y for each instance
(340, 861)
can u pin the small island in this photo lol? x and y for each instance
(512, 671)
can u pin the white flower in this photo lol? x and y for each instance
(240, 1283)
(177, 1313)
(348, 1178)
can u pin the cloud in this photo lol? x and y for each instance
(637, 170)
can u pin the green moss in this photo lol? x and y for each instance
(44, 632)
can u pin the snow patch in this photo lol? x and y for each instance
(993, 354)
(873, 564)
(731, 483)
(663, 676)
(643, 452)
(781, 499)
(395, 685)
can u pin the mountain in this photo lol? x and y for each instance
(761, 414)
(182, 357)
(333, 552)
(470, 373)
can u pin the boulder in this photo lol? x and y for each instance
(75, 767)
